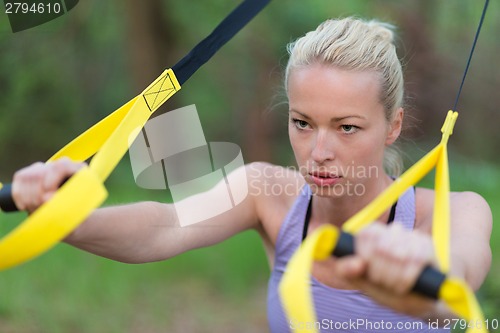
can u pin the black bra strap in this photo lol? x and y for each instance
(392, 214)
(307, 219)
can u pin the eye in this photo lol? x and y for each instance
(349, 129)
(300, 124)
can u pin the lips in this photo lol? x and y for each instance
(323, 174)
(324, 178)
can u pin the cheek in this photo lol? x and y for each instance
(294, 142)
(299, 146)
(370, 150)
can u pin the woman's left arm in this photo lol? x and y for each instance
(389, 259)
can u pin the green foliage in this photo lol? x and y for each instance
(58, 79)
(66, 290)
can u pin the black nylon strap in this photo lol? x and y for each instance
(202, 52)
(188, 65)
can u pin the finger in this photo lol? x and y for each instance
(420, 254)
(59, 171)
(26, 186)
(17, 194)
(411, 304)
(366, 240)
(351, 267)
(33, 190)
(387, 259)
(369, 245)
(396, 253)
(47, 196)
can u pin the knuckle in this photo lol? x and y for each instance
(375, 276)
(383, 248)
(58, 165)
(36, 202)
(400, 288)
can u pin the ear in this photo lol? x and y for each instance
(394, 127)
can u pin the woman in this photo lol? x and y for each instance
(345, 88)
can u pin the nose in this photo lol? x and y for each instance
(322, 150)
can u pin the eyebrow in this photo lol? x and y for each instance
(334, 119)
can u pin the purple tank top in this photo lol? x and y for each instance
(337, 310)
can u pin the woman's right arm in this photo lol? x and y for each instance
(148, 231)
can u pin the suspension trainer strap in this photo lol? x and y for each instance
(202, 52)
(108, 141)
(485, 8)
(295, 289)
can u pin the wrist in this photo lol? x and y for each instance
(439, 313)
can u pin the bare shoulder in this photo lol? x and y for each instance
(274, 188)
(463, 205)
(471, 226)
(471, 210)
(469, 201)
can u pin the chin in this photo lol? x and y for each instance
(326, 191)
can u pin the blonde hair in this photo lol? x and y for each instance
(358, 45)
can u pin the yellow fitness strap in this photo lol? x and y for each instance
(85, 191)
(109, 140)
(295, 290)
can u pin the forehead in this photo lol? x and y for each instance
(322, 88)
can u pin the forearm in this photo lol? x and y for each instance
(128, 233)
(440, 314)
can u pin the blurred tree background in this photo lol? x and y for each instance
(58, 79)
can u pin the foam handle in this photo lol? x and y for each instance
(7, 203)
(428, 283)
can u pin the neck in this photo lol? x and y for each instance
(338, 210)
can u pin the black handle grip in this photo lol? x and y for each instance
(7, 203)
(428, 283)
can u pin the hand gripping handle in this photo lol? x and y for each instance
(7, 203)
(428, 283)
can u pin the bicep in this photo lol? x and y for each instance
(212, 216)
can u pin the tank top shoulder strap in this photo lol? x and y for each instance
(406, 215)
(405, 211)
(293, 226)
(289, 235)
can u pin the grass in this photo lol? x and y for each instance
(221, 288)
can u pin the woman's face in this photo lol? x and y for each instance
(338, 129)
